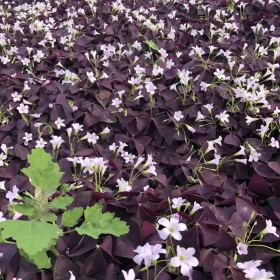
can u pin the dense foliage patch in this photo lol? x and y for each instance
(140, 139)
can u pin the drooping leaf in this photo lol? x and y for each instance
(33, 238)
(62, 202)
(71, 217)
(43, 173)
(151, 44)
(97, 223)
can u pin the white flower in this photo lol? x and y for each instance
(215, 160)
(169, 63)
(77, 127)
(178, 115)
(274, 143)
(106, 130)
(27, 138)
(2, 185)
(130, 275)
(242, 249)
(16, 215)
(69, 131)
(196, 207)
(113, 147)
(16, 96)
(270, 228)
(148, 253)
(139, 161)
(249, 265)
(220, 74)
(2, 219)
(150, 87)
(263, 130)
(157, 70)
(123, 185)
(22, 109)
(184, 76)
(185, 260)
(249, 120)
(177, 202)
(172, 227)
(11, 195)
(209, 107)
(38, 56)
(254, 155)
(72, 276)
(4, 148)
(116, 102)
(258, 274)
(94, 165)
(137, 45)
(91, 77)
(150, 160)
(3, 157)
(59, 123)
(41, 143)
(241, 160)
(128, 157)
(163, 53)
(223, 117)
(241, 152)
(146, 188)
(204, 86)
(91, 138)
(199, 117)
(56, 141)
(151, 170)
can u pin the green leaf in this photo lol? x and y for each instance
(33, 238)
(2, 240)
(41, 260)
(97, 223)
(43, 173)
(65, 188)
(48, 217)
(71, 217)
(62, 202)
(24, 209)
(152, 45)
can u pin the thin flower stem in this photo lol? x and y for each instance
(157, 276)
(267, 247)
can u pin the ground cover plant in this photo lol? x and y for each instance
(140, 139)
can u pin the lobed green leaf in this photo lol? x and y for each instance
(43, 173)
(61, 202)
(33, 238)
(97, 223)
(71, 217)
